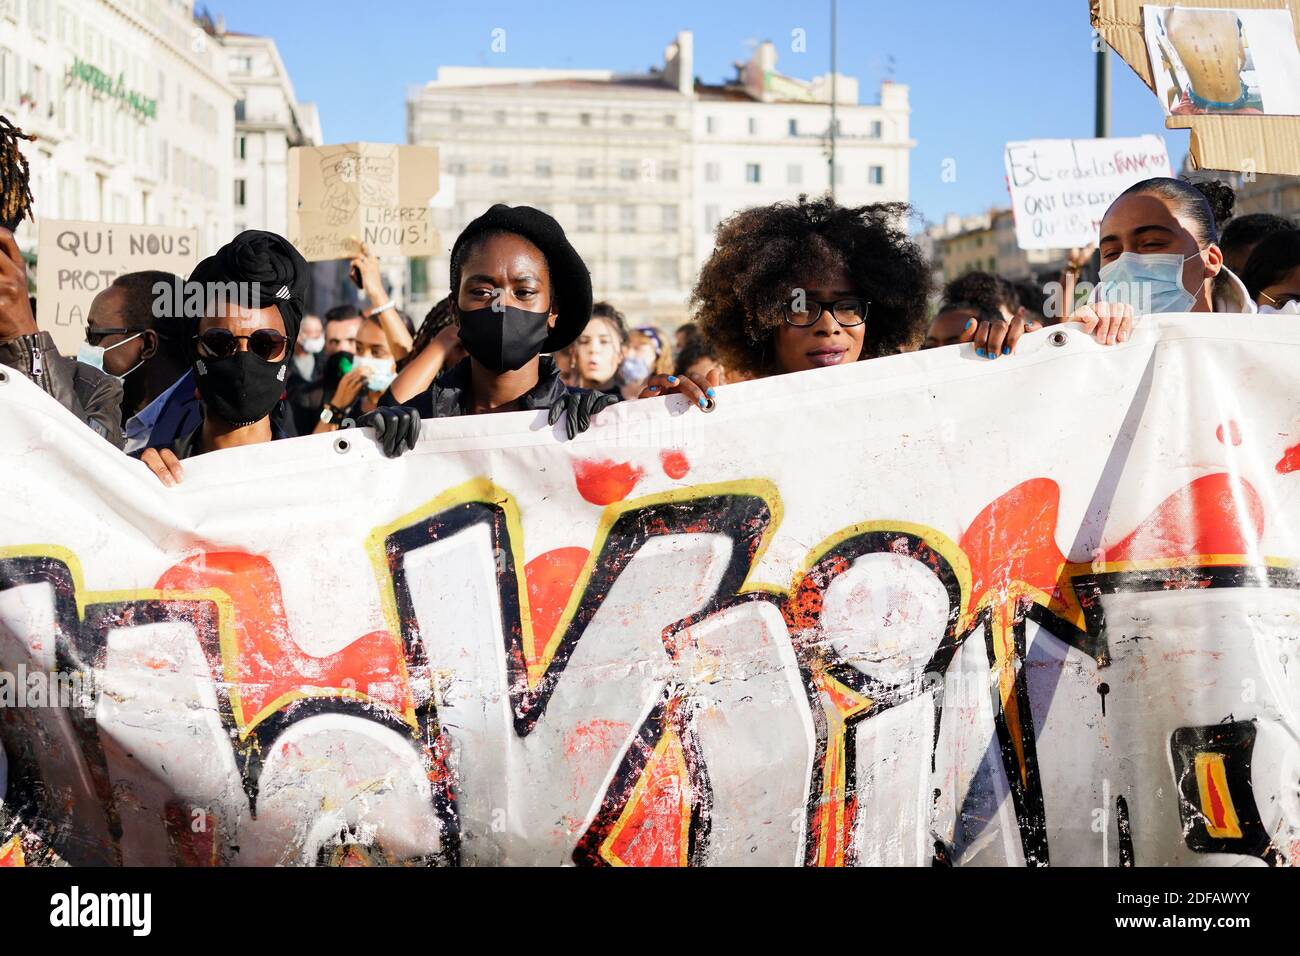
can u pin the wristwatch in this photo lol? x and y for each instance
(329, 413)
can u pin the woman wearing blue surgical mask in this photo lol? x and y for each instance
(1272, 274)
(373, 371)
(1160, 254)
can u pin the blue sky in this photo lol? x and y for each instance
(981, 72)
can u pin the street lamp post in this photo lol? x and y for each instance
(834, 122)
(1102, 123)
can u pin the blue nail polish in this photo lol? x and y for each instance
(709, 393)
(979, 352)
(672, 379)
(969, 325)
(1006, 350)
(991, 354)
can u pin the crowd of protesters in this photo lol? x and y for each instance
(791, 287)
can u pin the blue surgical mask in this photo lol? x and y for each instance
(634, 369)
(93, 355)
(379, 372)
(1151, 282)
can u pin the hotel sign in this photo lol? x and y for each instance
(92, 76)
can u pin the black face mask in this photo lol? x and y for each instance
(503, 339)
(243, 388)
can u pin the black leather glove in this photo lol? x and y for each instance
(579, 406)
(396, 428)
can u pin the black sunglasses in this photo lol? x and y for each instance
(266, 344)
(92, 333)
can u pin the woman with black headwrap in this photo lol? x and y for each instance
(249, 298)
(521, 292)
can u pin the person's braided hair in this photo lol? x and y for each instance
(436, 319)
(15, 177)
(761, 253)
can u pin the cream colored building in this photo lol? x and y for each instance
(764, 138)
(640, 168)
(269, 121)
(1278, 195)
(134, 114)
(985, 242)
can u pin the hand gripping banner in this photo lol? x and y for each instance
(927, 609)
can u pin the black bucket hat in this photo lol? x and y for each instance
(569, 274)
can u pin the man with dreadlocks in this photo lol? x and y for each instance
(91, 395)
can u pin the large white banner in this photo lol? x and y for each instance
(928, 608)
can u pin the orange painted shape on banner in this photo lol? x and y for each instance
(1216, 802)
(1014, 540)
(605, 482)
(11, 854)
(1233, 434)
(193, 831)
(270, 668)
(835, 812)
(654, 827)
(675, 464)
(1011, 545)
(1215, 514)
(550, 578)
(1290, 461)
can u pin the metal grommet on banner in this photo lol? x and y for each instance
(4, 376)
(709, 405)
(341, 445)
(1058, 338)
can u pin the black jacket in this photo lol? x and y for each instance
(450, 393)
(185, 444)
(306, 395)
(93, 396)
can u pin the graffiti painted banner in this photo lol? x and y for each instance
(926, 608)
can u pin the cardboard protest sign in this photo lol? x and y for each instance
(946, 635)
(1246, 143)
(1223, 61)
(1060, 188)
(78, 260)
(341, 196)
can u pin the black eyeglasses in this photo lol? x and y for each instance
(266, 344)
(847, 312)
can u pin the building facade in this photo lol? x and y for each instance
(639, 169)
(1278, 195)
(986, 242)
(269, 121)
(132, 110)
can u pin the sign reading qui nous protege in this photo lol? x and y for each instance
(78, 260)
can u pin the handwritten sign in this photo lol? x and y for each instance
(1060, 188)
(369, 193)
(78, 260)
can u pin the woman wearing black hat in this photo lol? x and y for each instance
(520, 290)
(251, 297)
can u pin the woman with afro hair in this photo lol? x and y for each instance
(808, 284)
